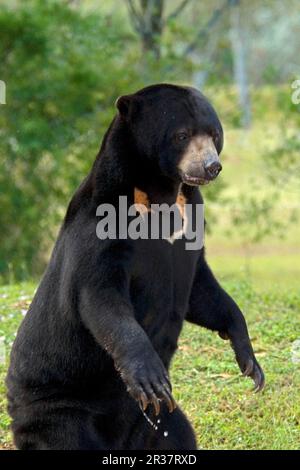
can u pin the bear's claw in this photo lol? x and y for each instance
(162, 393)
(148, 383)
(254, 371)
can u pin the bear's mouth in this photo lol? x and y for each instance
(194, 180)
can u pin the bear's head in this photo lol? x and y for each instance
(176, 129)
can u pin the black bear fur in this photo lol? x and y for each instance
(103, 326)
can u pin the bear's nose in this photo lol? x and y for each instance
(212, 168)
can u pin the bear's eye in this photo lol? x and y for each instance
(181, 136)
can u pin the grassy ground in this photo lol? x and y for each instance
(207, 384)
(219, 402)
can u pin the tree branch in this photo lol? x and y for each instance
(135, 16)
(210, 24)
(177, 10)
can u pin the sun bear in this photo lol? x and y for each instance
(92, 354)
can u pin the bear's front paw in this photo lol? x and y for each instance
(148, 383)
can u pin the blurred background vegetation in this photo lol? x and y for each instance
(65, 63)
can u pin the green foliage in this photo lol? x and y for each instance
(284, 159)
(64, 67)
(281, 168)
(63, 71)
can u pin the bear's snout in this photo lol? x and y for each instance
(200, 163)
(212, 168)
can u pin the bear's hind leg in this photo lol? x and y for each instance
(60, 429)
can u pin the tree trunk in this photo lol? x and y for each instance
(152, 11)
(239, 52)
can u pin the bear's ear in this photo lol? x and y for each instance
(125, 105)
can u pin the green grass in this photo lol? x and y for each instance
(206, 381)
(220, 403)
(14, 301)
